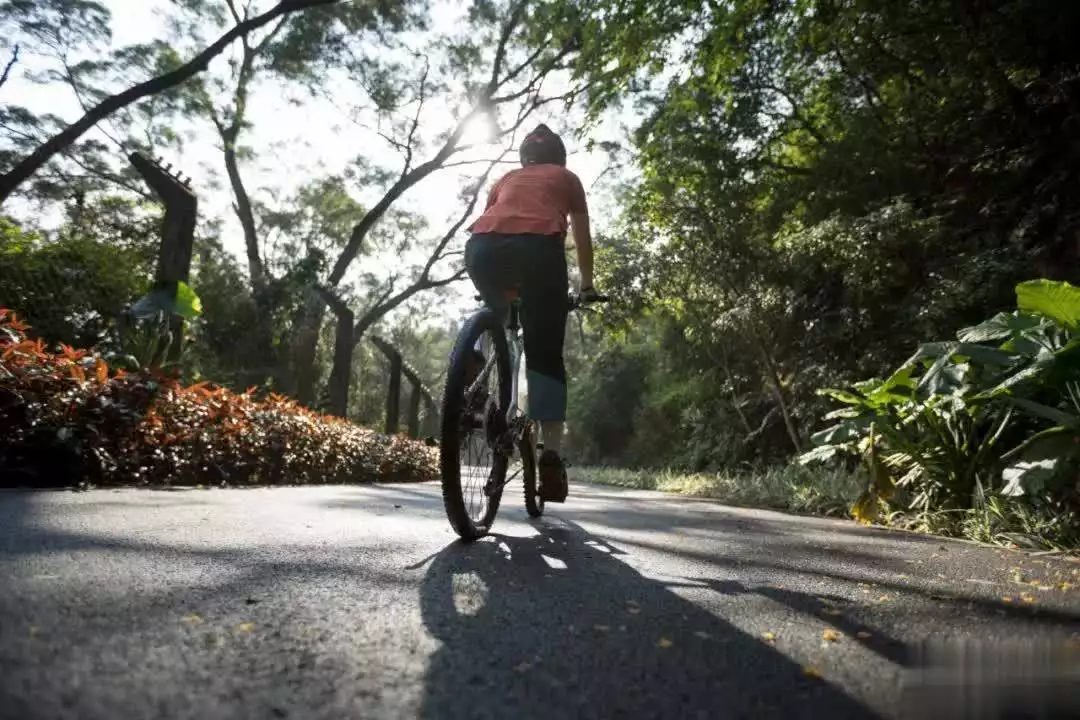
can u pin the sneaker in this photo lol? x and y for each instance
(554, 486)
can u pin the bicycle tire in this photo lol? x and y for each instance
(534, 504)
(484, 321)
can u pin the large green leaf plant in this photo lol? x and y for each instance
(996, 411)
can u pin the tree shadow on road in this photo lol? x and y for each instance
(555, 625)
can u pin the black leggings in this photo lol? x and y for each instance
(536, 265)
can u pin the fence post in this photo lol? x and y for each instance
(393, 392)
(419, 392)
(177, 233)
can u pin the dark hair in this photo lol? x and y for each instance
(542, 146)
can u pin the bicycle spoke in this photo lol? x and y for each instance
(477, 456)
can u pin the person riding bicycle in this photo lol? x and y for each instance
(519, 242)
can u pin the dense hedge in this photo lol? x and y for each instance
(66, 419)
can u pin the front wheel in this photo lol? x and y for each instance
(473, 472)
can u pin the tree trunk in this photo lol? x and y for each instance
(11, 180)
(778, 394)
(229, 136)
(305, 345)
(725, 365)
(414, 410)
(340, 376)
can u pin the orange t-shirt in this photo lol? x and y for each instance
(534, 199)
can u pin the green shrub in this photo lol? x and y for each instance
(66, 418)
(974, 424)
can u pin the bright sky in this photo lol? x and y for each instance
(296, 142)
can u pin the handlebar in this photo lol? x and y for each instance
(574, 300)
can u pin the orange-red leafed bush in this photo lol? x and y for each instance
(66, 418)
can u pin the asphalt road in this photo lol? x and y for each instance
(358, 602)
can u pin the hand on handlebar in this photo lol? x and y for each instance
(587, 296)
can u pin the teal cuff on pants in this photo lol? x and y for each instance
(547, 397)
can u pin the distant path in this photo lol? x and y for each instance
(333, 602)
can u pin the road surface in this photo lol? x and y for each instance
(357, 602)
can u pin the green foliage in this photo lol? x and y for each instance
(963, 421)
(823, 185)
(73, 286)
(67, 417)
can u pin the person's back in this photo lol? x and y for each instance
(519, 242)
(535, 199)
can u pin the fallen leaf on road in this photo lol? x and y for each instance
(811, 671)
(33, 631)
(664, 643)
(883, 598)
(702, 634)
(770, 637)
(830, 635)
(192, 619)
(863, 635)
(245, 627)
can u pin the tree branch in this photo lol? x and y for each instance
(229, 135)
(235, 14)
(10, 64)
(796, 113)
(10, 180)
(379, 311)
(436, 254)
(416, 117)
(500, 49)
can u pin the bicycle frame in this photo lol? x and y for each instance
(515, 345)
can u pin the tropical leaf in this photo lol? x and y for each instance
(1000, 326)
(1057, 300)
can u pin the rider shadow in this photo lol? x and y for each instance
(553, 625)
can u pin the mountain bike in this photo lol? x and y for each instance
(483, 422)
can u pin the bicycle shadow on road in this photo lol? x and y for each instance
(554, 625)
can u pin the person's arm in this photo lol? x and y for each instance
(579, 226)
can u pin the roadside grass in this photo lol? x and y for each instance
(830, 492)
(791, 488)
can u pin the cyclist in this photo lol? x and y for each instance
(519, 242)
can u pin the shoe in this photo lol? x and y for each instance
(554, 486)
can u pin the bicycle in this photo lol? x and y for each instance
(491, 421)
